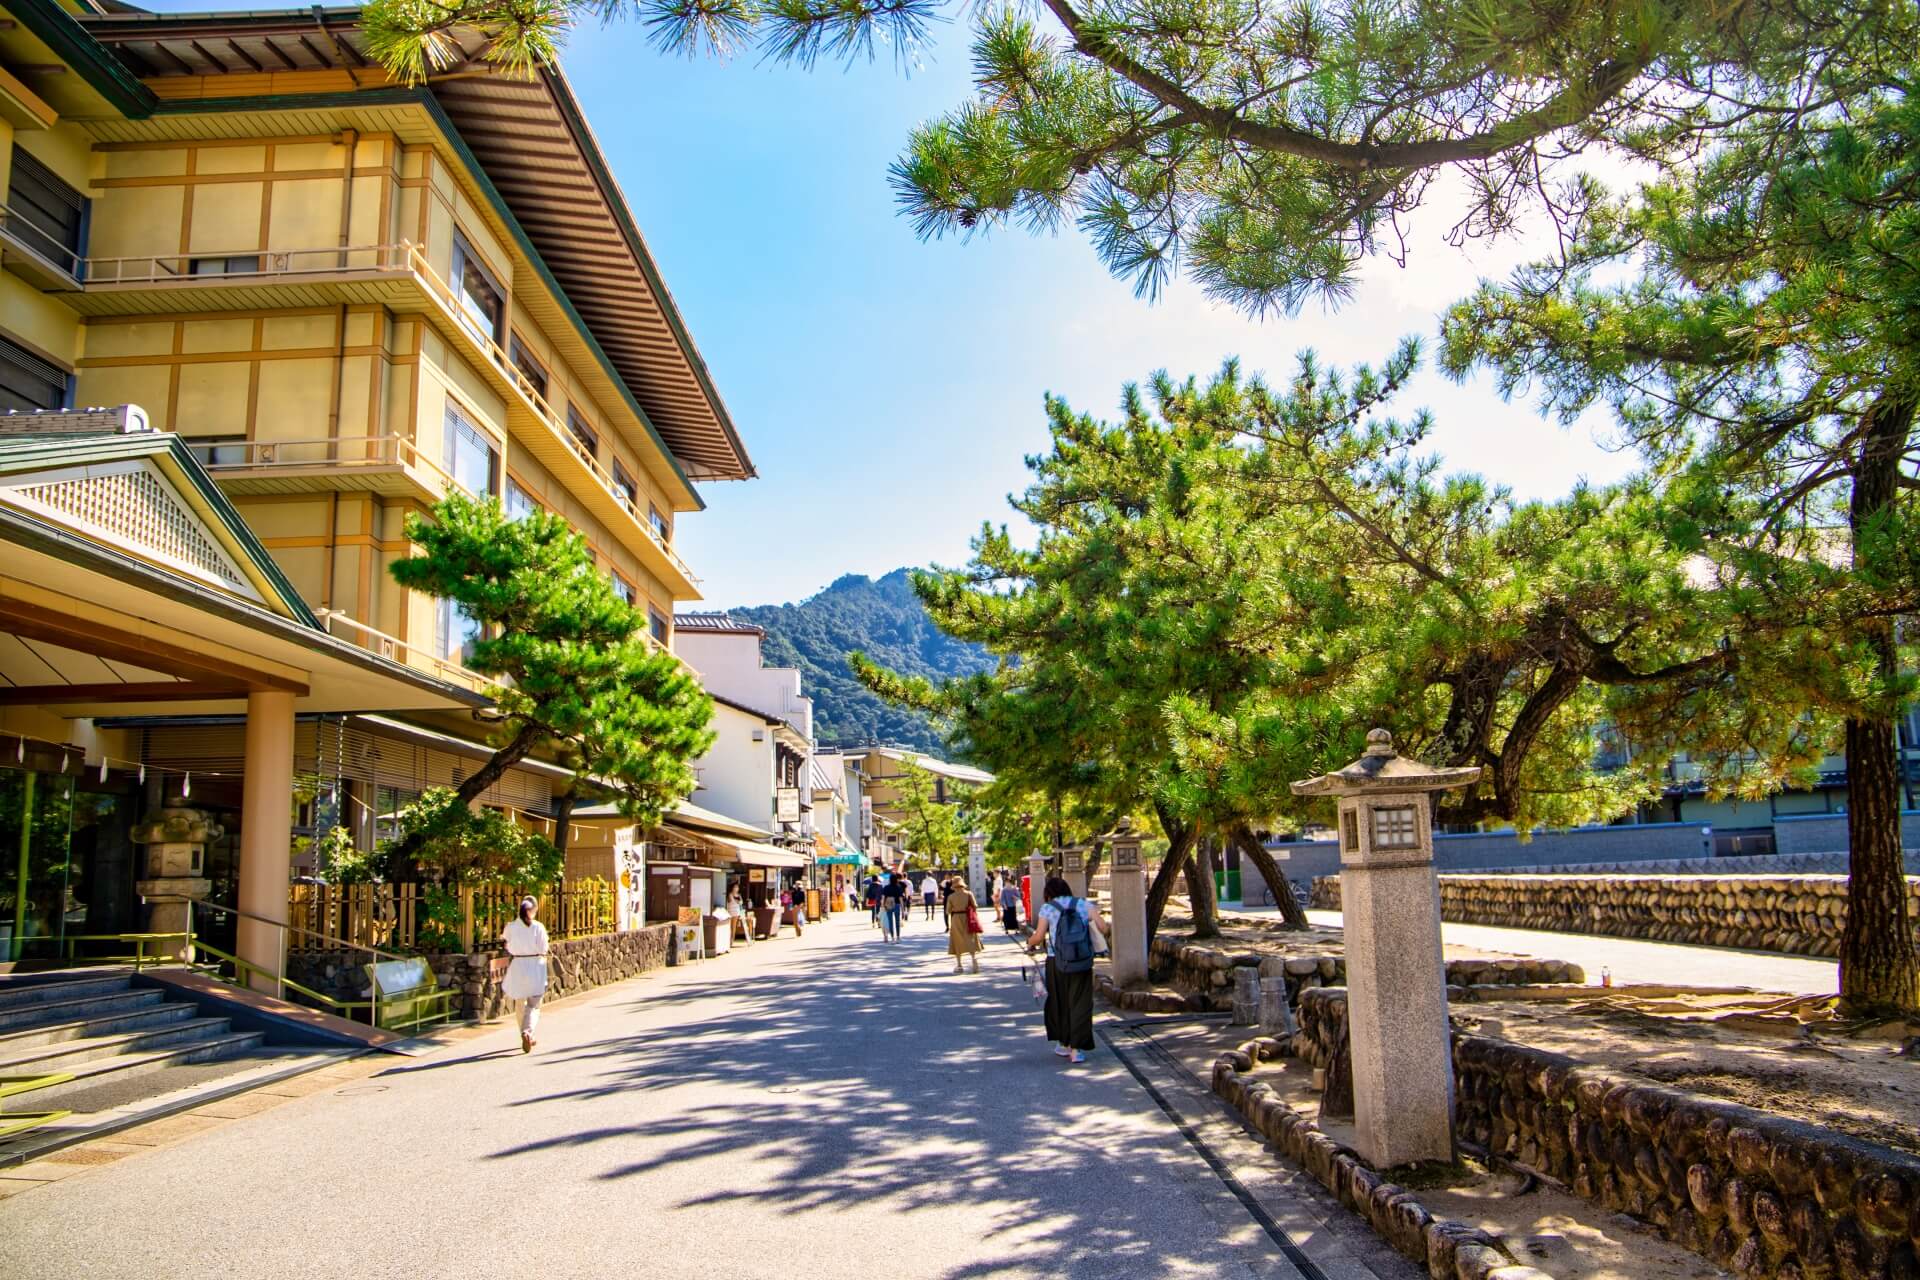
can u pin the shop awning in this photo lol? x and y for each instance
(842, 857)
(754, 854)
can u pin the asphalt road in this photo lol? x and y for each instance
(821, 1107)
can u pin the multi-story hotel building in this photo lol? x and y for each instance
(348, 297)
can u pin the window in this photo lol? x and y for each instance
(623, 484)
(455, 632)
(661, 528)
(1395, 828)
(530, 368)
(656, 624)
(480, 296)
(623, 588)
(219, 451)
(27, 382)
(247, 264)
(1349, 833)
(586, 435)
(470, 458)
(519, 503)
(48, 216)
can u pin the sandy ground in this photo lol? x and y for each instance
(1860, 1087)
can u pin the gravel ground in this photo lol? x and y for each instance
(819, 1107)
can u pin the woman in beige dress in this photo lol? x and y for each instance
(961, 939)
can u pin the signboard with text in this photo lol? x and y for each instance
(786, 804)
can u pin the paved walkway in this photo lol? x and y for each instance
(1633, 961)
(817, 1108)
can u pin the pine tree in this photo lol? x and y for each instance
(579, 679)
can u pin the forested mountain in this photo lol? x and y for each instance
(883, 619)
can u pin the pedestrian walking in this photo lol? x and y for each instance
(1067, 927)
(1009, 905)
(893, 905)
(873, 900)
(929, 890)
(963, 925)
(526, 980)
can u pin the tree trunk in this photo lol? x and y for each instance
(1178, 853)
(1878, 970)
(1253, 851)
(563, 821)
(1200, 890)
(472, 787)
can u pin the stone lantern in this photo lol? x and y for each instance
(1396, 980)
(977, 865)
(174, 870)
(1127, 906)
(1073, 868)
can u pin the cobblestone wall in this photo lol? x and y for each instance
(576, 964)
(1758, 1194)
(1798, 915)
(1207, 972)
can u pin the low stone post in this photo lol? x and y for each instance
(1127, 907)
(1276, 1015)
(1246, 995)
(1073, 869)
(977, 867)
(1396, 981)
(1036, 888)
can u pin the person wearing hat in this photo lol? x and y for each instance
(526, 980)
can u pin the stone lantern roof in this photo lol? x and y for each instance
(1382, 770)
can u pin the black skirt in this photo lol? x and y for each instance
(1069, 1008)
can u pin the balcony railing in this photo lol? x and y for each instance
(412, 655)
(403, 258)
(21, 233)
(555, 422)
(325, 451)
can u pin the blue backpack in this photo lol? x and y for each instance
(1073, 941)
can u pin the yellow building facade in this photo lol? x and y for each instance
(349, 297)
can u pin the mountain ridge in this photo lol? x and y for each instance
(882, 618)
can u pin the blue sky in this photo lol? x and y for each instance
(889, 389)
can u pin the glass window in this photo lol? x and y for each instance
(48, 216)
(622, 588)
(27, 382)
(530, 368)
(586, 435)
(248, 264)
(623, 484)
(659, 523)
(456, 631)
(519, 503)
(479, 295)
(470, 458)
(219, 451)
(657, 624)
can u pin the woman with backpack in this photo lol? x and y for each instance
(1067, 925)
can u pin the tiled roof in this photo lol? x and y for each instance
(718, 623)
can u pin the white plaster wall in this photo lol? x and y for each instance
(736, 774)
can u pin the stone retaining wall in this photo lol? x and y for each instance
(1758, 864)
(575, 965)
(1207, 972)
(1448, 1250)
(1763, 1196)
(1798, 915)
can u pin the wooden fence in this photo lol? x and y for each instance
(392, 917)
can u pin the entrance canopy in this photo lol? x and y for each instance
(754, 854)
(128, 583)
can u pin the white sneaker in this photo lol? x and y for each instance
(1062, 1051)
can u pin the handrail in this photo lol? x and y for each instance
(278, 924)
(381, 450)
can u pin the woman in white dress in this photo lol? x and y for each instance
(526, 980)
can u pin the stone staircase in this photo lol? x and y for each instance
(94, 1050)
